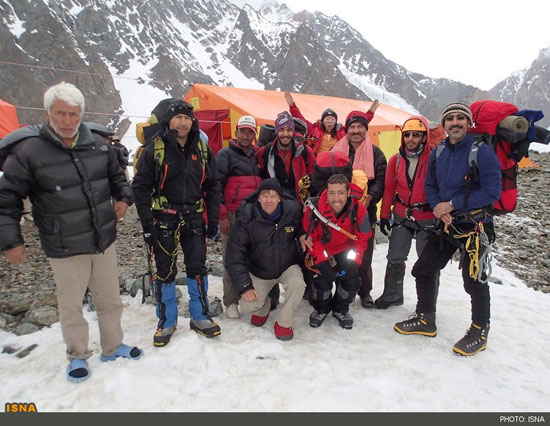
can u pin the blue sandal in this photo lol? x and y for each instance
(78, 370)
(123, 351)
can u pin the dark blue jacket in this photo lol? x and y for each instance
(445, 180)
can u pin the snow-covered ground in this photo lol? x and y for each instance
(370, 368)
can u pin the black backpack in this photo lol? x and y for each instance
(267, 132)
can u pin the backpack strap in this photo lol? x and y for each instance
(473, 171)
(160, 202)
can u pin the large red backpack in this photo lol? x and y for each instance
(489, 128)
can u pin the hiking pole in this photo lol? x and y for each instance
(149, 273)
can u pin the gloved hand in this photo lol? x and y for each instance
(326, 270)
(150, 236)
(385, 226)
(212, 232)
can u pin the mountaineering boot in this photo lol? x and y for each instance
(366, 302)
(345, 320)
(283, 333)
(199, 307)
(418, 323)
(316, 319)
(232, 311)
(167, 304)
(162, 336)
(474, 341)
(393, 286)
(206, 328)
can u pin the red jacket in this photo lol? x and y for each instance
(402, 192)
(239, 176)
(337, 242)
(272, 166)
(315, 131)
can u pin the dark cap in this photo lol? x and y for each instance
(329, 113)
(357, 117)
(178, 107)
(270, 183)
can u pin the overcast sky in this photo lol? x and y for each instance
(477, 42)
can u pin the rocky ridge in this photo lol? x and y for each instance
(27, 291)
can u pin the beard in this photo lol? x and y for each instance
(62, 133)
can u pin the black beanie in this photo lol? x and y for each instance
(329, 112)
(271, 183)
(178, 107)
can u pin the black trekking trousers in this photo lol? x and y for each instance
(192, 239)
(435, 256)
(347, 285)
(365, 271)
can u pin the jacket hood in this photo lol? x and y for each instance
(426, 125)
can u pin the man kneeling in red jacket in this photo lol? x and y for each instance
(337, 230)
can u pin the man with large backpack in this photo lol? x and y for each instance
(287, 159)
(176, 182)
(78, 192)
(461, 203)
(412, 215)
(337, 230)
(369, 160)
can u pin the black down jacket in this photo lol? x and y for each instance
(71, 191)
(261, 246)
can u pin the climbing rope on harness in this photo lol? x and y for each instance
(173, 254)
(474, 241)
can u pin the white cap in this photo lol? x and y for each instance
(248, 122)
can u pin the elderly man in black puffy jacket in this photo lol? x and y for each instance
(262, 252)
(71, 174)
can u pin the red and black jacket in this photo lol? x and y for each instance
(405, 194)
(239, 175)
(327, 241)
(272, 166)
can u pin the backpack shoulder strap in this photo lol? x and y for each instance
(473, 169)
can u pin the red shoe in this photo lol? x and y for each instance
(283, 333)
(258, 321)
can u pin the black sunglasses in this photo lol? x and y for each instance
(413, 134)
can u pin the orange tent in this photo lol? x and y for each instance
(8, 118)
(264, 105)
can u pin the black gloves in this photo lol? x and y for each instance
(213, 232)
(150, 236)
(385, 226)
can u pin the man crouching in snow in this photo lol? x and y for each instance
(338, 230)
(262, 252)
(70, 174)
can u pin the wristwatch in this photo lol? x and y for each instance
(451, 203)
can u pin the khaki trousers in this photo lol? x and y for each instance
(294, 286)
(230, 294)
(97, 272)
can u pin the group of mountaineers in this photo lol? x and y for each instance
(299, 211)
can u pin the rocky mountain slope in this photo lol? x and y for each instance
(114, 48)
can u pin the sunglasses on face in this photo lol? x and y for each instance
(413, 134)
